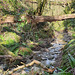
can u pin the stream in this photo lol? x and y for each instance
(47, 56)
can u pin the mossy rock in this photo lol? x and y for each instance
(9, 38)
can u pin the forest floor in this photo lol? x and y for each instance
(50, 56)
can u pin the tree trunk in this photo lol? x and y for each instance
(40, 7)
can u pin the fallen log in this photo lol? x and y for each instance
(37, 19)
(53, 18)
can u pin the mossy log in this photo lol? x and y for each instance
(37, 19)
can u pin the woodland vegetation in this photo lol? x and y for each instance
(30, 28)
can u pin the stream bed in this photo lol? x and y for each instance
(47, 56)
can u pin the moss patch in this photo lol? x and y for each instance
(73, 35)
(58, 26)
(9, 38)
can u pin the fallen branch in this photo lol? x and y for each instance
(30, 64)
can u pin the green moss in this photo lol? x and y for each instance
(9, 38)
(31, 46)
(73, 35)
(16, 52)
(1, 37)
(58, 26)
(11, 35)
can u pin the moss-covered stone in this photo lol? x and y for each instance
(9, 38)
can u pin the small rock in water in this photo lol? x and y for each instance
(47, 62)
